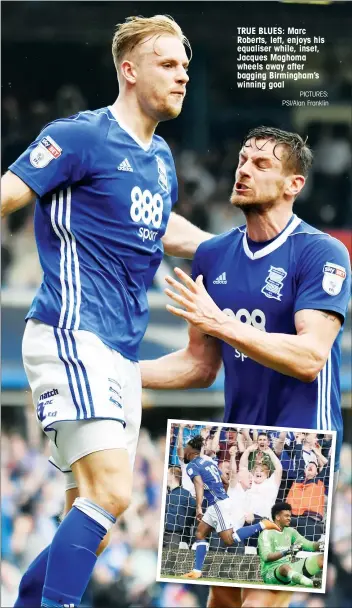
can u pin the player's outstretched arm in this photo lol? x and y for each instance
(199, 489)
(15, 194)
(182, 238)
(301, 356)
(306, 545)
(195, 366)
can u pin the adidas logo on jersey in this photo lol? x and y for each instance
(125, 166)
(221, 280)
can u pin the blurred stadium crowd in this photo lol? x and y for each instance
(205, 179)
(32, 503)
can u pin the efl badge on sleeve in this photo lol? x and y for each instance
(44, 152)
(274, 283)
(334, 276)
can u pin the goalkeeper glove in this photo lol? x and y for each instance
(321, 544)
(293, 550)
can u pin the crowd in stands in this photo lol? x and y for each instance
(32, 503)
(261, 468)
(205, 179)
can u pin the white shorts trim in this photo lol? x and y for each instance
(219, 516)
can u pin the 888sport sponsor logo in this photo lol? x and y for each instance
(256, 318)
(148, 209)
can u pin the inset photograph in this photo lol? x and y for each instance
(246, 506)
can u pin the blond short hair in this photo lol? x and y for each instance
(135, 29)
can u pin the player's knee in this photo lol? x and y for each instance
(228, 540)
(284, 570)
(110, 493)
(199, 535)
(116, 501)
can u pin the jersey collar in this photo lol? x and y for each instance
(138, 141)
(275, 244)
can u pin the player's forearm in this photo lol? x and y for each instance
(199, 489)
(310, 545)
(272, 557)
(178, 370)
(183, 238)
(291, 355)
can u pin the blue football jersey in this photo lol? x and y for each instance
(265, 284)
(104, 200)
(211, 476)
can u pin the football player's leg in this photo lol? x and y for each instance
(31, 586)
(294, 573)
(224, 597)
(259, 598)
(104, 479)
(203, 530)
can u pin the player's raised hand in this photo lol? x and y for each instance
(199, 308)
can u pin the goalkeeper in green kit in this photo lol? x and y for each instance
(276, 549)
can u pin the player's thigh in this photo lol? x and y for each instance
(204, 527)
(253, 598)
(131, 393)
(95, 451)
(72, 375)
(224, 597)
(223, 514)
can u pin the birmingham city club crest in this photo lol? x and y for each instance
(162, 174)
(274, 283)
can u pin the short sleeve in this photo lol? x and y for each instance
(61, 155)
(192, 470)
(197, 263)
(324, 280)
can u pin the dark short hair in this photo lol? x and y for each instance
(278, 507)
(196, 443)
(299, 156)
(263, 434)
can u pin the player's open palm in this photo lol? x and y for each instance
(199, 308)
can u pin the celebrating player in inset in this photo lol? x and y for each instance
(209, 483)
(105, 185)
(276, 550)
(268, 299)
